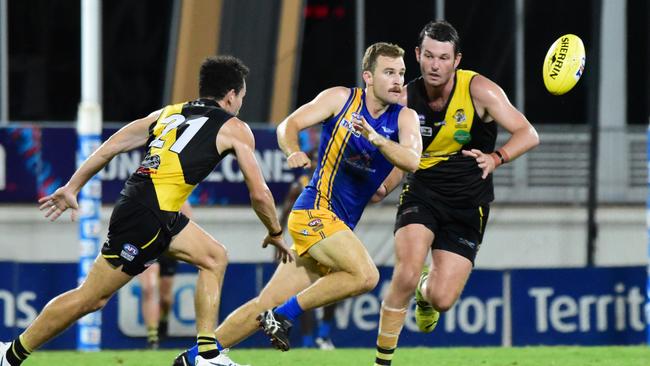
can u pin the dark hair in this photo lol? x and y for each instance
(441, 31)
(379, 49)
(220, 74)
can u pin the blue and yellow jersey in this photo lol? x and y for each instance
(350, 169)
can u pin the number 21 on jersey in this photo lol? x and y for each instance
(173, 122)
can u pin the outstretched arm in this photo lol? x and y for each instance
(405, 154)
(490, 98)
(236, 135)
(129, 137)
(325, 105)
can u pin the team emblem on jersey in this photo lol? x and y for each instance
(149, 164)
(460, 118)
(426, 131)
(422, 119)
(316, 225)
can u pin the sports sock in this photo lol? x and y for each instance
(290, 309)
(207, 345)
(18, 351)
(308, 341)
(152, 334)
(390, 325)
(324, 329)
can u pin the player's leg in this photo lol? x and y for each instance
(412, 243)
(167, 272)
(150, 308)
(193, 245)
(325, 324)
(331, 243)
(454, 250)
(102, 282)
(352, 271)
(288, 280)
(307, 326)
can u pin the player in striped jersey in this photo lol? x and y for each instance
(184, 143)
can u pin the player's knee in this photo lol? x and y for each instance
(368, 280)
(407, 278)
(90, 305)
(440, 302)
(216, 258)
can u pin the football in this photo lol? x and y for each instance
(564, 64)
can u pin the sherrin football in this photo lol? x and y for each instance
(564, 64)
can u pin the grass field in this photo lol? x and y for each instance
(528, 356)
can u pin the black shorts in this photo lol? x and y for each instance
(167, 266)
(139, 235)
(457, 230)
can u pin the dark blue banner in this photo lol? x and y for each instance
(586, 306)
(550, 306)
(34, 161)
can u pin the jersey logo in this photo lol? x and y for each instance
(426, 131)
(460, 118)
(422, 119)
(149, 165)
(350, 127)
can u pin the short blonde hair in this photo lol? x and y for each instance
(380, 49)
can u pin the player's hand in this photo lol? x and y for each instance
(282, 253)
(362, 126)
(485, 161)
(298, 159)
(380, 194)
(55, 204)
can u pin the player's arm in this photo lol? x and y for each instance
(390, 183)
(405, 154)
(490, 98)
(236, 135)
(325, 105)
(129, 137)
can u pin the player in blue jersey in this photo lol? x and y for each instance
(364, 134)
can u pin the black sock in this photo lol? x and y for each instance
(17, 353)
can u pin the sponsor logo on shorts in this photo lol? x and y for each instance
(410, 210)
(316, 225)
(466, 242)
(129, 251)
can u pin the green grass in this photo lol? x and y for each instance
(526, 356)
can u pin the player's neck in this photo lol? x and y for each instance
(438, 95)
(374, 105)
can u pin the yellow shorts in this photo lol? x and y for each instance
(308, 227)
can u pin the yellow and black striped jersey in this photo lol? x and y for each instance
(180, 152)
(452, 177)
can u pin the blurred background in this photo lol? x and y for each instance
(565, 254)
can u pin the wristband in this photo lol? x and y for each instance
(276, 234)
